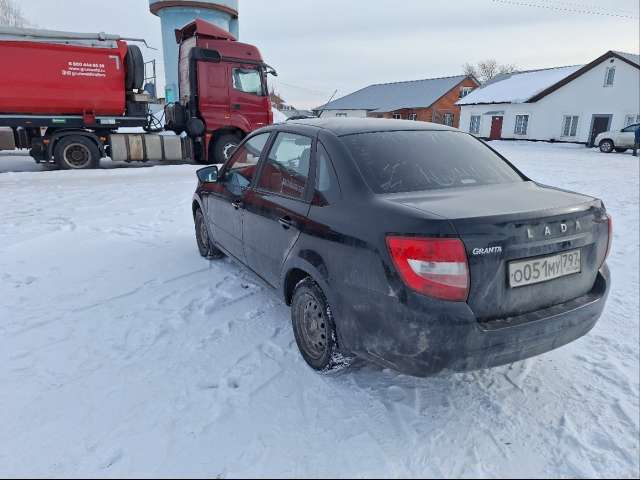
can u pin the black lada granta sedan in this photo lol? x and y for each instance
(409, 244)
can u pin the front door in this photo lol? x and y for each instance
(599, 124)
(277, 209)
(225, 199)
(496, 127)
(250, 104)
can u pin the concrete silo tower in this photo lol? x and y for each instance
(176, 14)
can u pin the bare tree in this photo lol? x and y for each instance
(11, 15)
(507, 68)
(488, 69)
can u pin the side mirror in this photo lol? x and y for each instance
(208, 174)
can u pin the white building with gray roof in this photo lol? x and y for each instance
(566, 104)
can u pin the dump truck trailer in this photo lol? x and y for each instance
(64, 96)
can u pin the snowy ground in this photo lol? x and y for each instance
(123, 353)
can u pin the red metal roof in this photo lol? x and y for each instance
(202, 28)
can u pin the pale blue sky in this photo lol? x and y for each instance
(319, 46)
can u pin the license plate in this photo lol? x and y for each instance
(543, 269)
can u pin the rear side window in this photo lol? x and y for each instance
(286, 170)
(327, 190)
(411, 161)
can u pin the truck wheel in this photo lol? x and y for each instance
(76, 153)
(606, 146)
(223, 147)
(314, 329)
(205, 245)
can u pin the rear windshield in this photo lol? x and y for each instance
(410, 161)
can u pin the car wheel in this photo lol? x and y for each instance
(314, 329)
(606, 146)
(76, 153)
(621, 150)
(205, 245)
(224, 146)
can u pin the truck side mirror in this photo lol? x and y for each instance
(208, 174)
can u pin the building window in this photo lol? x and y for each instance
(447, 119)
(631, 119)
(570, 126)
(397, 116)
(609, 76)
(464, 91)
(413, 116)
(522, 123)
(474, 126)
(341, 114)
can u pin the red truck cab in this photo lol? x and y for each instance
(223, 91)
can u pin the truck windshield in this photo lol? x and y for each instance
(248, 80)
(411, 161)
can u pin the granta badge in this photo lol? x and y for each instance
(487, 251)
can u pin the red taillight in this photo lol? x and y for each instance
(436, 267)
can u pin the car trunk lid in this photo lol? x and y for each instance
(500, 224)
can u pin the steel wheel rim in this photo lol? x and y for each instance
(203, 234)
(313, 327)
(76, 155)
(607, 146)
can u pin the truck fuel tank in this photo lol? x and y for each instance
(150, 148)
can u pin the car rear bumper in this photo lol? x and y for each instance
(421, 337)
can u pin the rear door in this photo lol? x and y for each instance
(248, 96)
(626, 137)
(276, 210)
(226, 198)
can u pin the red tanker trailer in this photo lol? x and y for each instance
(74, 77)
(64, 96)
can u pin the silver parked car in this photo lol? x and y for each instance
(619, 140)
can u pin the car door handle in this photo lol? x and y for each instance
(285, 222)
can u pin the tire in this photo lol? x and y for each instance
(621, 150)
(314, 329)
(135, 68)
(222, 146)
(76, 152)
(606, 146)
(205, 245)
